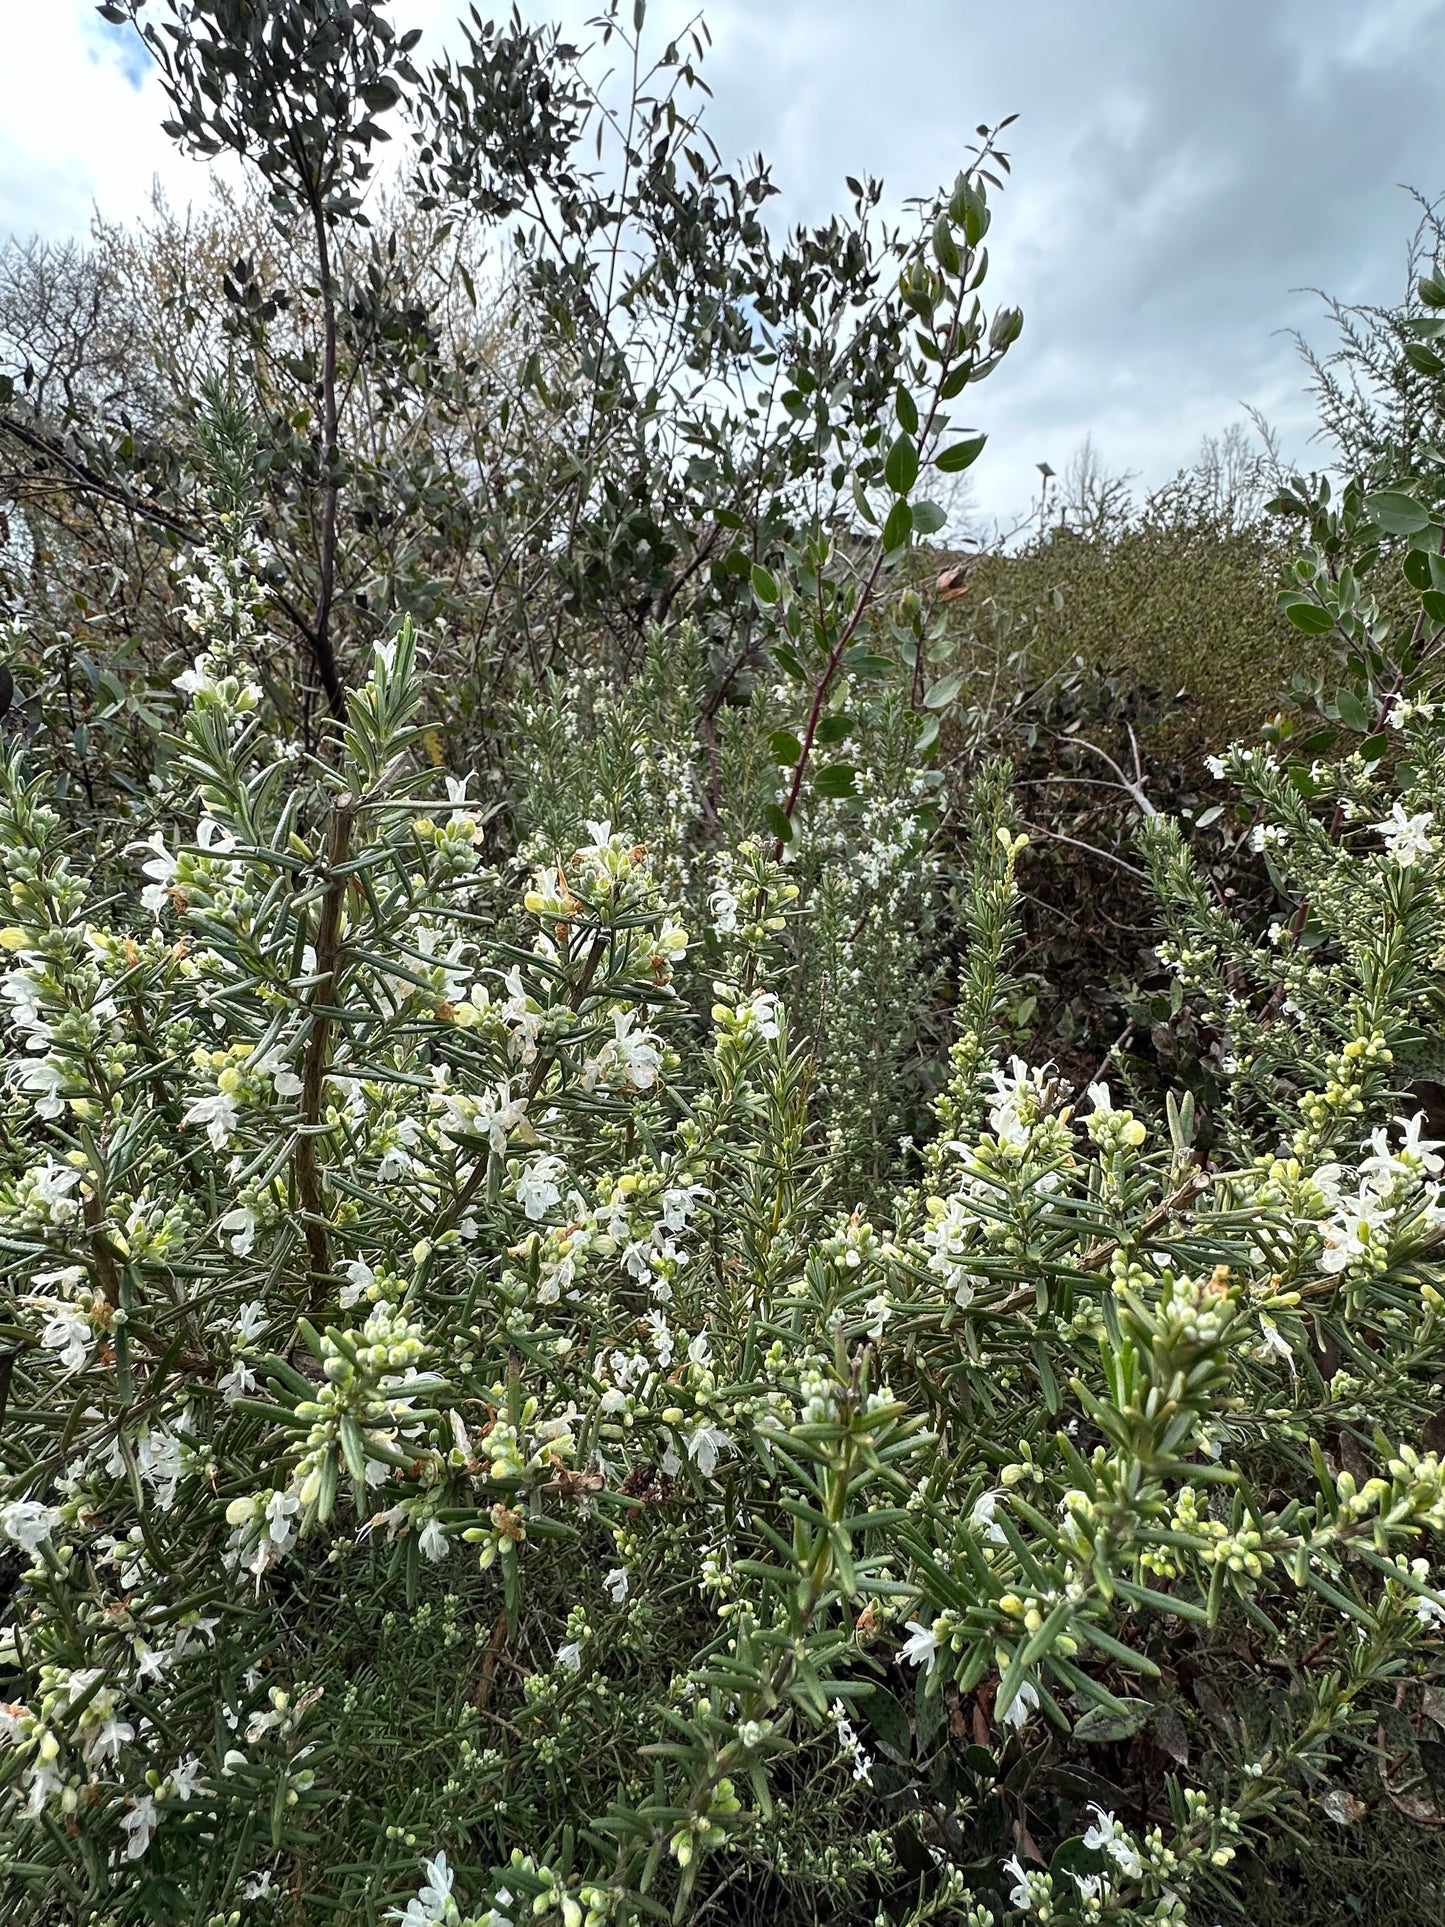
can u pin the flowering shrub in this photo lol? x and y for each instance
(529, 1392)
(469, 1457)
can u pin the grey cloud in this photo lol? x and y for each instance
(1181, 173)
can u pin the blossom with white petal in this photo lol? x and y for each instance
(359, 1276)
(15, 1719)
(433, 1541)
(284, 1081)
(537, 1187)
(250, 1321)
(616, 1584)
(45, 1080)
(704, 1444)
(140, 1825)
(26, 1522)
(1101, 1831)
(161, 870)
(922, 1648)
(982, 1516)
(1022, 1895)
(1272, 1339)
(218, 1113)
(69, 1334)
(1407, 838)
(850, 1746)
(241, 1223)
(1023, 1706)
(151, 1661)
(239, 1382)
(159, 1457)
(433, 1905)
(53, 1184)
(106, 1739)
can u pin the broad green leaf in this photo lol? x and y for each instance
(1309, 617)
(1352, 711)
(784, 748)
(898, 527)
(1416, 565)
(1103, 1723)
(837, 779)
(943, 693)
(945, 248)
(906, 409)
(900, 471)
(777, 822)
(863, 661)
(1397, 514)
(765, 586)
(889, 1721)
(969, 208)
(928, 518)
(960, 455)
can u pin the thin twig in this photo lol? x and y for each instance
(313, 1074)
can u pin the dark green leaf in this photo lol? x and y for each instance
(968, 206)
(929, 1711)
(889, 1722)
(961, 455)
(1309, 617)
(837, 779)
(765, 587)
(777, 822)
(1104, 1723)
(1352, 711)
(863, 661)
(898, 527)
(900, 471)
(1416, 564)
(945, 248)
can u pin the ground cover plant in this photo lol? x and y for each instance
(566, 1355)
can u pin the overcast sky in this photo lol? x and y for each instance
(1184, 170)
